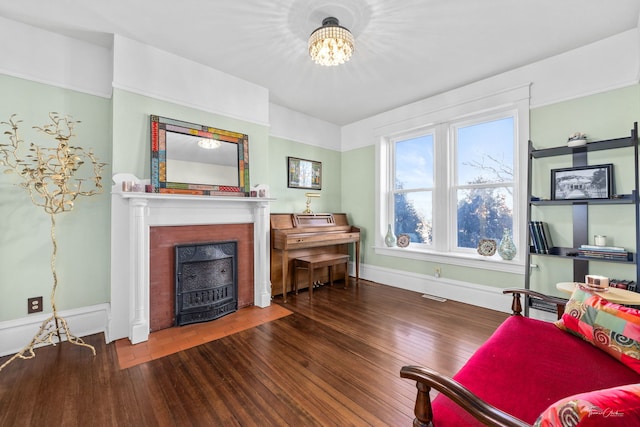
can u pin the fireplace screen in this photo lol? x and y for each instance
(206, 281)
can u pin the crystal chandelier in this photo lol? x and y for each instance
(330, 44)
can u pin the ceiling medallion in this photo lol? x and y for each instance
(331, 44)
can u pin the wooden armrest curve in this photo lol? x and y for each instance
(516, 306)
(427, 378)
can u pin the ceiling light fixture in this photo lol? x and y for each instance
(331, 44)
(209, 144)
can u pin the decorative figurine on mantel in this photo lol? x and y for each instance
(49, 175)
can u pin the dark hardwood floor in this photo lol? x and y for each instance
(334, 362)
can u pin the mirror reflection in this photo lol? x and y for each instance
(196, 160)
(187, 158)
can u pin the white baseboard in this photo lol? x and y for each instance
(16, 334)
(469, 293)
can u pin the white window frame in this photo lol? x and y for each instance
(431, 130)
(452, 186)
(485, 108)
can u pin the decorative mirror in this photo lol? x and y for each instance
(187, 158)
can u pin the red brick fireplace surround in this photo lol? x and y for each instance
(162, 265)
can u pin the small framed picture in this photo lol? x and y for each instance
(303, 173)
(582, 183)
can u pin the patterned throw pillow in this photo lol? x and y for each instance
(617, 406)
(611, 327)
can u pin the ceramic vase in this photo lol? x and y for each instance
(507, 249)
(390, 238)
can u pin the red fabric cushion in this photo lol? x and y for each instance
(527, 365)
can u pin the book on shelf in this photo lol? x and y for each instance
(546, 236)
(540, 237)
(535, 243)
(605, 252)
(602, 248)
(619, 256)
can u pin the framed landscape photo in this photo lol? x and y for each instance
(582, 183)
(303, 173)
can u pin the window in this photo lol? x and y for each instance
(478, 158)
(413, 187)
(461, 179)
(483, 183)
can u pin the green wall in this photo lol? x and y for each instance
(293, 199)
(83, 235)
(601, 116)
(131, 136)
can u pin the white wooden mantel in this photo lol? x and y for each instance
(132, 215)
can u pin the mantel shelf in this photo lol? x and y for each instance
(235, 198)
(164, 196)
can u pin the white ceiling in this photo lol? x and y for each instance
(405, 50)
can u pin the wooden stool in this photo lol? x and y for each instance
(312, 262)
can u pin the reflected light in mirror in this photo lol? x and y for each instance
(187, 162)
(209, 144)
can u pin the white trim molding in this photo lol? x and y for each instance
(173, 81)
(512, 101)
(17, 333)
(38, 55)
(469, 293)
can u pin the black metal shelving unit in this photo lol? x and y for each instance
(581, 207)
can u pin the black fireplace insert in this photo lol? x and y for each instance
(206, 281)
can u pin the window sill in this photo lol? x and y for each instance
(494, 263)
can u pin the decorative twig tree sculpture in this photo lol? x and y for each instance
(50, 177)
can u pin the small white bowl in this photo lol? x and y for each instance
(577, 143)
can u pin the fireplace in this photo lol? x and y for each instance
(133, 215)
(162, 265)
(206, 281)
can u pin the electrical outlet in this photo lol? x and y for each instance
(34, 305)
(438, 272)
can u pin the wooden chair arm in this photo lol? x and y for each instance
(426, 379)
(516, 305)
